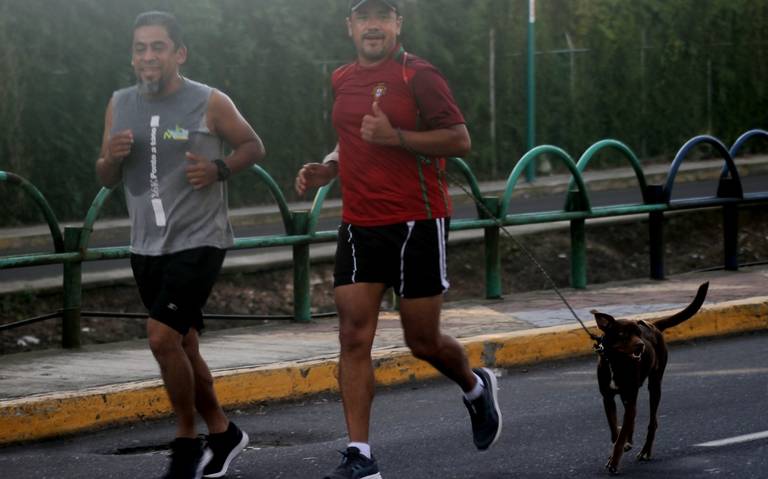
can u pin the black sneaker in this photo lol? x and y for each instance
(225, 447)
(188, 458)
(484, 412)
(355, 466)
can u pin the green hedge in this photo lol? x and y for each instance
(651, 73)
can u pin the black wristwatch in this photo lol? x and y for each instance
(223, 169)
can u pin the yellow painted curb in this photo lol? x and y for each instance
(52, 415)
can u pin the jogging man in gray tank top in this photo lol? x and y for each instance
(163, 139)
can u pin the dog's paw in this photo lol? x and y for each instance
(613, 469)
(627, 446)
(611, 466)
(644, 456)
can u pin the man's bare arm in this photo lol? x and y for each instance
(114, 149)
(225, 121)
(314, 175)
(451, 141)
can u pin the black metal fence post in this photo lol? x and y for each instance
(70, 324)
(655, 194)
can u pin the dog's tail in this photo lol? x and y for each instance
(687, 313)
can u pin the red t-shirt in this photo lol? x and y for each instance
(383, 185)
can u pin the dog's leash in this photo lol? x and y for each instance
(598, 346)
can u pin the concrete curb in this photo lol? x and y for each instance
(52, 415)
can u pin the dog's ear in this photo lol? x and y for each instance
(604, 321)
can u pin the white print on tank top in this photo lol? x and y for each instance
(154, 184)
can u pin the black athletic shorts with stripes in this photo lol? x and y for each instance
(175, 287)
(409, 257)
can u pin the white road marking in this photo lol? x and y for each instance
(735, 440)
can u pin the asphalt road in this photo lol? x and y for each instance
(554, 428)
(462, 210)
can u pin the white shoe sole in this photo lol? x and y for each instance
(204, 460)
(231, 457)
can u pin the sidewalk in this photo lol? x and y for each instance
(55, 392)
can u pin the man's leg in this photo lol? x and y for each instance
(358, 306)
(177, 373)
(206, 402)
(421, 325)
(225, 440)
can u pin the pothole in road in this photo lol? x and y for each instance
(262, 440)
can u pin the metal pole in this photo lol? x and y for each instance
(301, 263)
(709, 96)
(578, 254)
(578, 242)
(492, 251)
(572, 58)
(656, 244)
(530, 171)
(492, 100)
(572, 106)
(731, 237)
(70, 330)
(655, 194)
(643, 96)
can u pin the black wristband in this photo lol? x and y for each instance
(223, 172)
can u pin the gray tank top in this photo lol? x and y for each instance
(167, 214)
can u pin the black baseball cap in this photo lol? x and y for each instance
(355, 4)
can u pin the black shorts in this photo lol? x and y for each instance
(175, 287)
(409, 257)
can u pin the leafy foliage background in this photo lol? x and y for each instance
(651, 73)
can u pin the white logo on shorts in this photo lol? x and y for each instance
(173, 307)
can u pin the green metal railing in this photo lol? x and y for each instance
(71, 248)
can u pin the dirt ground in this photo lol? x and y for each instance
(617, 251)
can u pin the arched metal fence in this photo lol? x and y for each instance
(71, 247)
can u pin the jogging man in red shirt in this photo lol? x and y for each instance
(396, 121)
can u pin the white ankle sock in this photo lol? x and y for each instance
(365, 449)
(476, 391)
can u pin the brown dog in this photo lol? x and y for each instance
(630, 352)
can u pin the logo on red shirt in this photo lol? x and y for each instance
(379, 90)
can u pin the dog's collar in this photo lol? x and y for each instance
(598, 346)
